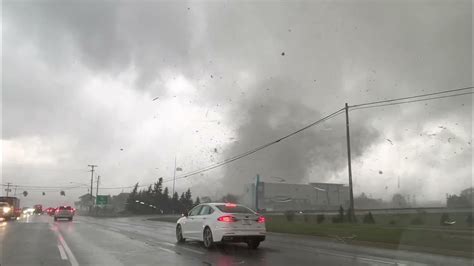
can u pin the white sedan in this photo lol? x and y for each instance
(64, 212)
(221, 222)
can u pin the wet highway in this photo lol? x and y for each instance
(38, 240)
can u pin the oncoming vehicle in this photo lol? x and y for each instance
(28, 210)
(222, 222)
(64, 212)
(6, 211)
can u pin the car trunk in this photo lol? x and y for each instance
(246, 222)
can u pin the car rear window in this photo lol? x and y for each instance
(4, 204)
(234, 209)
(65, 208)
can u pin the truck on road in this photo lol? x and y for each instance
(14, 204)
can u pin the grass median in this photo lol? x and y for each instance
(390, 230)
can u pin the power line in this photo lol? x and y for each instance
(42, 187)
(245, 154)
(412, 97)
(363, 106)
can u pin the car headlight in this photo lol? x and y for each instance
(6, 209)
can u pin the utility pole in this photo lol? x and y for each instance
(351, 195)
(92, 166)
(174, 175)
(14, 194)
(256, 191)
(8, 188)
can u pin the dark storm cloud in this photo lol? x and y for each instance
(312, 155)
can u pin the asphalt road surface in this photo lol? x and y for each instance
(38, 240)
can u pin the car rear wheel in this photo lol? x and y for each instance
(207, 237)
(179, 234)
(253, 244)
(55, 219)
(70, 219)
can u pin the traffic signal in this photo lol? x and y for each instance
(62, 193)
(25, 193)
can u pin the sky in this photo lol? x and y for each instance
(132, 86)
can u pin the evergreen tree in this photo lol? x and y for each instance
(182, 203)
(197, 201)
(175, 203)
(158, 194)
(165, 201)
(158, 186)
(131, 204)
(188, 200)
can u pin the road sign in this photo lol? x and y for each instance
(101, 200)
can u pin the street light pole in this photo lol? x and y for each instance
(174, 175)
(256, 191)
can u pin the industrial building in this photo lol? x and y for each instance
(297, 197)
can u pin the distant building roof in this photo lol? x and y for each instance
(88, 196)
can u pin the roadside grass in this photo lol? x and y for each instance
(430, 235)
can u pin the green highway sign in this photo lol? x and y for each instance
(101, 200)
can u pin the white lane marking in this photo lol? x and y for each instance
(167, 250)
(113, 229)
(72, 259)
(62, 253)
(180, 247)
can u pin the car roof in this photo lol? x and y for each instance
(222, 203)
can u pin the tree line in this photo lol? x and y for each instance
(156, 199)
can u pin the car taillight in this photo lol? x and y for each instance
(226, 219)
(261, 220)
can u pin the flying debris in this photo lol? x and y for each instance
(154, 99)
(389, 141)
(380, 172)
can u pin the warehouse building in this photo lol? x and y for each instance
(297, 197)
